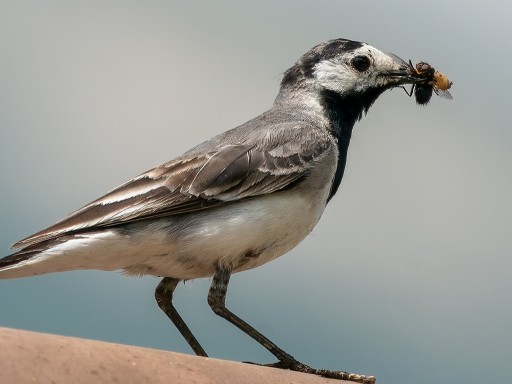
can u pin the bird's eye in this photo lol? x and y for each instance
(361, 63)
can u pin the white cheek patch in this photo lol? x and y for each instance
(339, 76)
(336, 76)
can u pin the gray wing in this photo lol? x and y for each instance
(200, 180)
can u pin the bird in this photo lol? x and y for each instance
(231, 203)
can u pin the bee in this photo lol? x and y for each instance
(432, 81)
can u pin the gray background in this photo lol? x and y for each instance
(408, 272)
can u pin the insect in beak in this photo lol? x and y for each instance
(427, 80)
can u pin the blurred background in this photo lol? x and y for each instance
(407, 275)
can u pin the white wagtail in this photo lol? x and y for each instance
(234, 202)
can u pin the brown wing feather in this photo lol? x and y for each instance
(233, 172)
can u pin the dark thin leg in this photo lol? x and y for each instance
(217, 301)
(163, 296)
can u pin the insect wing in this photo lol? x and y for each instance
(399, 60)
(443, 93)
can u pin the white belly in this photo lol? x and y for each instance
(240, 235)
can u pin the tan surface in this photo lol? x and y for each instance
(27, 357)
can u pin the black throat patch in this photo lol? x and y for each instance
(343, 112)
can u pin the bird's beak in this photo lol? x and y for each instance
(401, 72)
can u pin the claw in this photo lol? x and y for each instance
(297, 366)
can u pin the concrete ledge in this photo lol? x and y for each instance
(28, 357)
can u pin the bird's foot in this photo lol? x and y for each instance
(295, 365)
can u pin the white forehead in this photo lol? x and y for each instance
(337, 73)
(377, 55)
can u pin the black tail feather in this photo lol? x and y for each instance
(28, 252)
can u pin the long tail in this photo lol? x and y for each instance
(10, 265)
(75, 251)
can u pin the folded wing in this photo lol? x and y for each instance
(195, 182)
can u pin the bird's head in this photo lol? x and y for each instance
(345, 72)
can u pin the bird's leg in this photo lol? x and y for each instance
(163, 296)
(217, 301)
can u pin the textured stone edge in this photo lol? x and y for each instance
(31, 357)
